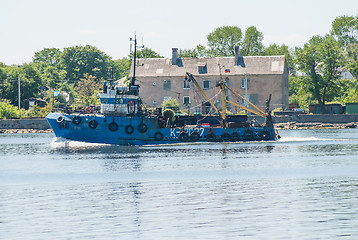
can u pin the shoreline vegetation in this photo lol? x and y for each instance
(278, 126)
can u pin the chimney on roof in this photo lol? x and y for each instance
(237, 51)
(174, 56)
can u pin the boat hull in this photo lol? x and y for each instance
(145, 130)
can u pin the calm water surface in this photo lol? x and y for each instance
(304, 186)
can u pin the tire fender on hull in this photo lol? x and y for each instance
(183, 136)
(129, 129)
(194, 136)
(76, 120)
(235, 137)
(210, 137)
(248, 135)
(265, 135)
(93, 124)
(142, 128)
(60, 119)
(158, 136)
(113, 126)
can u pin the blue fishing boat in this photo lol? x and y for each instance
(123, 120)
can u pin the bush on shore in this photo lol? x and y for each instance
(9, 111)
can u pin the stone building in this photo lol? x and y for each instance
(161, 78)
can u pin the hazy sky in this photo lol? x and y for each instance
(28, 26)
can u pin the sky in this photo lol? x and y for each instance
(28, 26)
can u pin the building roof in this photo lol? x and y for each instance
(150, 67)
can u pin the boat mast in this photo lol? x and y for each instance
(134, 60)
(223, 111)
(223, 94)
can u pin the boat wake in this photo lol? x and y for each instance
(68, 146)
(307, 139)
(62, 143)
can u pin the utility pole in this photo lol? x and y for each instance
(19, 87)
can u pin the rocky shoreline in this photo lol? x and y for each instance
(10, 131)
(314, 125)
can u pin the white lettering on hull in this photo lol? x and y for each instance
(174, 132)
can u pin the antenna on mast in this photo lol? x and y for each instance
(133, 88)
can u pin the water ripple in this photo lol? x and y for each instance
(290, 189)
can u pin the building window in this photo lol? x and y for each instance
(186, 84)
(206, 84)
(243, 83)
(186, 100)
(167, 85)
(202, 69)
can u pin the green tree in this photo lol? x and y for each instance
(3, 80)
(30, 79)
(222, 41)
(49, 56)
(147, 53)
(36, 111)
(170, 106)
(275, 50)
(170, 103)
(299, 92)
(348, 91)
(252, 44)
(198, 52)
(52, 77)
(345, 30)
(351, 59)
(87, 89)
(78, 61)
(319, 59)
(121, 68)
(7, 110)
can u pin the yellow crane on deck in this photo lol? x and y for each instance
(223, 86)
